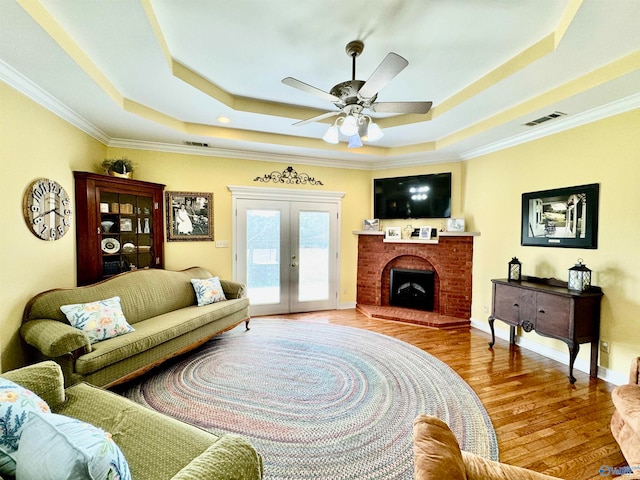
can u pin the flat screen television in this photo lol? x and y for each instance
(417, 196)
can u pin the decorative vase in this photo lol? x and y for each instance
(147, 228)
(120, 175)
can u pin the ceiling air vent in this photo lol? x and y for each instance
(546, 118)
(196, 144)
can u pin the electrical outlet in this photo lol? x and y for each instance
(604, 346)
(222, 243)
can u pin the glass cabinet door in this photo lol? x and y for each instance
(126, 222)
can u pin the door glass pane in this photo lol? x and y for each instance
(313, 280)
(263, 256)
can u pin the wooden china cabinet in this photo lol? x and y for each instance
(119, 226)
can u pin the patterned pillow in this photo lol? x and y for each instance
(54, 446)
(99, 320)
(15, 404)
(208, 290)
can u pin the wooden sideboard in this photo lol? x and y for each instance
(548, 307)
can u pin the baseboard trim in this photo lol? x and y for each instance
(347, 306)
(563, 357)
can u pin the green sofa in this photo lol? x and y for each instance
(156, 447)
(159, 304)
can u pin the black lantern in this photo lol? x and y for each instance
(579, 277)
(515, 270)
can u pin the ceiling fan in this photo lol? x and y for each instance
(354, 96)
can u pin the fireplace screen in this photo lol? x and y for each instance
(412, 289)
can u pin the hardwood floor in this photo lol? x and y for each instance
(542, 421)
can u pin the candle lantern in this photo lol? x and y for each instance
(515, 270)
(579, 277)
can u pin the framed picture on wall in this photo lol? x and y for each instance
(189, 216)
(562, 217)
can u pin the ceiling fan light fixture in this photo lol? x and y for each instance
(374, 132)
(331, 136)
(355, 141)
(349, 126)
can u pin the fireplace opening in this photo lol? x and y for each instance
(412, 289)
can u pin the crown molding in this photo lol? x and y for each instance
(22, 84)
(239, 154)
(25, 86)
(565, 123)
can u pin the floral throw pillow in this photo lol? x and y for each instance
(99, 320)
(55, 446)
(16, 403)
(208, 290)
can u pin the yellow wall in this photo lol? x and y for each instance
(34, 143)
(486, 192)
(181, 172)
(605, 152)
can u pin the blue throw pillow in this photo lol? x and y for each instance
(55, 447)
(16, 403)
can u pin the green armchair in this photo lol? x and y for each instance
(156, 446)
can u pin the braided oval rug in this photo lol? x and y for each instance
(317, 401)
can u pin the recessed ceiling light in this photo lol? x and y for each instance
(223, 119)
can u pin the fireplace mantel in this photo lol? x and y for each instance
(416, 240)
(450, 256)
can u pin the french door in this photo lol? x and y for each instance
(286, 251)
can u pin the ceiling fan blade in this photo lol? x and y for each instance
(292, 82)
(391, 66)
(401, 107)
(317, 118)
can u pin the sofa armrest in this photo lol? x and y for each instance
(626, 399)
(54, 338)
(44, 379)
(233, 289)
(230, 458)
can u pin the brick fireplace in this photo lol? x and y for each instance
(451, 260)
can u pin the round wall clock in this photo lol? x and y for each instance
(47, 209)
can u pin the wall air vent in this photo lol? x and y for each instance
(546, 118)
(196, 144)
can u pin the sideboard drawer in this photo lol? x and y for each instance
(553, 315)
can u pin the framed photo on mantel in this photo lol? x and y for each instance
(371, 225)
(562, 217)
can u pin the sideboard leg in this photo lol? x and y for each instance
(493, 333)
(574, 348)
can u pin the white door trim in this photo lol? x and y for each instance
(286, 194)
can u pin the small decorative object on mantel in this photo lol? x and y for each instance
(425, 233)
(371, 225)
(118, 167)
(455, 225)
(579, 277)
(289, 176)
(393, 233)
(515, 270)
